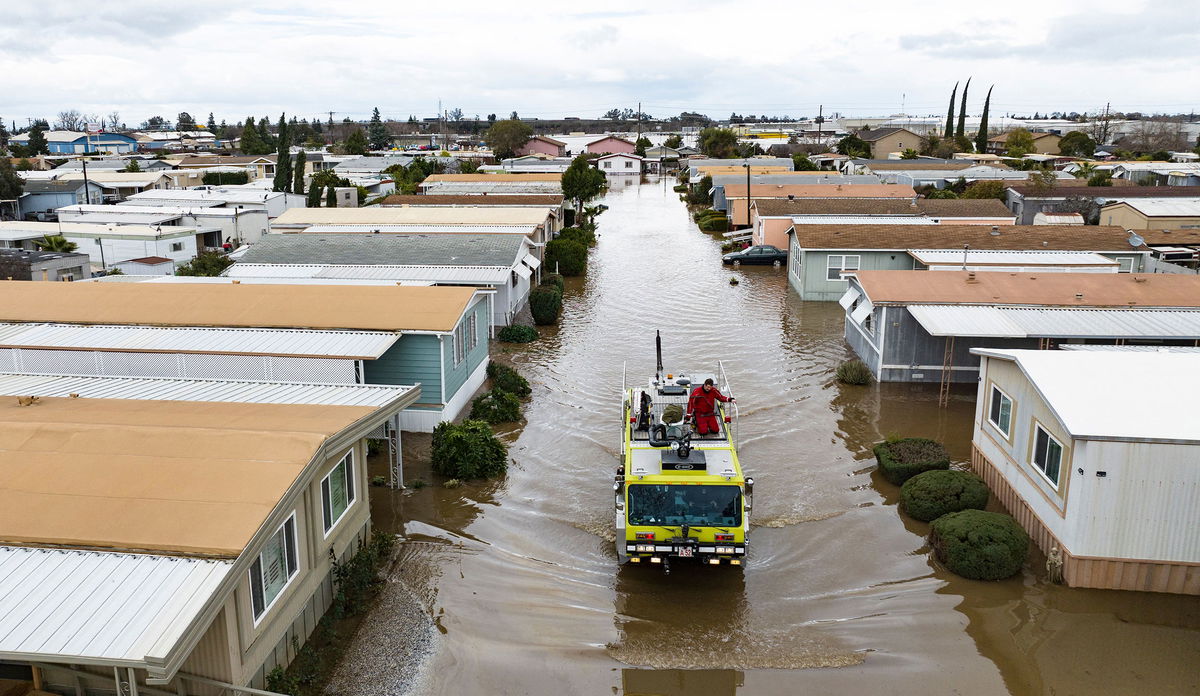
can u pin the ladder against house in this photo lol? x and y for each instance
(947, 370)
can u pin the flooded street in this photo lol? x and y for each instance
(839, 594)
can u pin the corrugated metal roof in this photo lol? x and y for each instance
(413, 248)
(422, 229)
(366, 345)
(931, 257)
(1055, 322)
(222, 280)
(225, 391)
(1165, 207)
(57, 603)
(487, 275)
(1132, 349)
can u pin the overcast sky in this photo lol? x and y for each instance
(143, 57)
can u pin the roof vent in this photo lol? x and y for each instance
(1079, 295)
(791, 196)
(971, 277)
(995, 231)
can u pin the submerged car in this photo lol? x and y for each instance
(761, 253)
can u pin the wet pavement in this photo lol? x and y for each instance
(840, 593)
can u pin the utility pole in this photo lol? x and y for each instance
(747, 166)
(639, 123)
(820, 120)
(1104, 128)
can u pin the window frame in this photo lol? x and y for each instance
(176, 246)
(1033, 453)
(1120, 261)
(291, 559)
(328, 524)
(842, 267)
(995, 390)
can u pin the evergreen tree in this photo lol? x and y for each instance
(962, 112)
(252, 144)
(314, 194)
(264, 132)
(298, 172)
(37, 141)
(11, 184)
(982, 137)
(212, 123)
(330, 197)
(3, 135)
(377, 133)
(950, 114)
(356, 142)
(283, 158)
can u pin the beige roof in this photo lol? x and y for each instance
(376, 215)
(1170, 237)
(476, 178)
(935, 207)
(821, 191)
(488, 199)
(361, 307)
(716, 169)
(924, 165)
(1011, 237)
(187, 477)
(1045, 289)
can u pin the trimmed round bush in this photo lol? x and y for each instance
(569, 257)
(854, 372)
(508, 380)
(554, 280)
(468, 450)
(545, 302)
(586, 237)
(979, 545)
(714, 224)
(903, 459)
(929, 495)
(517, 333)
(496, 406)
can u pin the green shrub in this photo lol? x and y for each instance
(567, 256)
(929, 495)
(707, 212)
(903, 459)
(545, 301)
(517, 333)
(508, 380)
(496, 406)
(979, 545)
(582, 235)
(468, 450)
(714, 224)
(854, 372)
(679, 188)
(555, 280)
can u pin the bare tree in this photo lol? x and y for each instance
(114, 120)
(69, 120)
(1150, 136)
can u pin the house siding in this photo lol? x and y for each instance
(456, 375)
(813, 266)
(414, 358)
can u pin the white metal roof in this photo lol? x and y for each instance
(1056, 322)
(422, 229)
(485, 275)
(227, 195)
(217, 280)
(1164, 207)
(226, 391)
(1132, 349)
(58, 604)
(1128, 406)
(953, 257)
(366, 345)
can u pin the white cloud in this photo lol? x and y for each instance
(307, 57)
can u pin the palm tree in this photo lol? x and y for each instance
(1085, 171)
(56, 242)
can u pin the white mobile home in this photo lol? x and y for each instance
(1095, 454)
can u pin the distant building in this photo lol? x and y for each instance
(22, 264)
(105, 245)
(619, 164)
(1043, 143)
(41, 197)
(146, 265)
(611, 144)
(545, 145)
(73, 142)
(1027, 201)
(885, 141)
(1098, 468)
(771, 218)
(1153, 213)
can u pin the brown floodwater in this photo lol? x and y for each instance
(840, 594)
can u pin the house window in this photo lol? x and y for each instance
(608, 165)
(1125, 264)
(628, 164)
(274, 568)
(1000, 411)
(472, 339)
(1047, 454)
(465, 338)
(337, 491)
(176, 246)
(838, 263)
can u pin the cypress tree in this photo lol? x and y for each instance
(962, 112)
(950, 113)
(330, 197)
(212, 123)
(283, 158)
(982, 137)
(314, 194)
(298, 172)
(377, 133)
(264, 132)
(251, 143)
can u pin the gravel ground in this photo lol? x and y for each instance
(389, 651)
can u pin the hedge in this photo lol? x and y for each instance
(586, 237)
(929, 495)
(507, 379)
(979, 545)
(496, 406)
(567, 256)
(903, 459)
(554, 279)
(545, 302)
(714, 224)
(517, 333)
(468, 450)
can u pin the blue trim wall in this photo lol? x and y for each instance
(456, 376)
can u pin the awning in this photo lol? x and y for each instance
(1056, 322)
(965, 320)
(861, 313)
(848, 299)
(531, 261)
(523, 271)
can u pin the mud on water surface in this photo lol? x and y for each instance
(840, 594)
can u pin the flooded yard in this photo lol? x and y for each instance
(840, 594)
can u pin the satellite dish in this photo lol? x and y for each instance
(1135, 239)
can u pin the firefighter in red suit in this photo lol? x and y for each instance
(702, 405)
